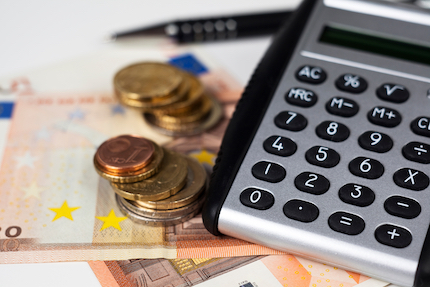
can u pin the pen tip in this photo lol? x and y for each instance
(110, 38)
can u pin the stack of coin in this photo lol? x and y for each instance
(153, 185)
(172, 101)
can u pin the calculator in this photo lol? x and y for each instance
(327, 155)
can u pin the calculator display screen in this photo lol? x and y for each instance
(376, 44)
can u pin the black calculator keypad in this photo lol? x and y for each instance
(301, 97)
(417, 151)
(393, 93)
(312, 183)
(291, 121)
(421, 126)
(351, 83)
(311, 74)
(366, 167)
(279, 145)
(411, 179)
(375, 141)
(383, 116)
(268, 171)
(356, 194)
(301, 210)
(341, 106)
(392, 235)
(332, 131)
(402, 207)
(322, 156)
(257, 198)
(346, 223)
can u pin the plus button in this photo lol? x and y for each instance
(393, 233)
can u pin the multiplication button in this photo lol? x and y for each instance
(392, 235)
(301, 210)
(280, 146)
(417, 151)
(346, 223)
(291, 121)
(411, 179)
(257, 198)
(383, 116)
(268, 171)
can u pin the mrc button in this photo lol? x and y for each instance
(301, 97)
(421, 126)
(311, 74)
(257, 198)
(393, 93)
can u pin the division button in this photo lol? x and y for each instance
(332, 131)
(351, 83)
(392, 235)
(257, 198)
(383, 116)
(311, 74)
(301, 210)
(375, 141)
(312, 183)
(291, 121)
(346, 223)
(366, 167)
(268, 171)
(280, 146)
(411, 179)
(421, 126)
(301, 97)
(322, 156)
(402, 207)
(393, 93)
(356, 194)
(343, 107)
(417, 151)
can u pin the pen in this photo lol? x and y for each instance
(214, 28)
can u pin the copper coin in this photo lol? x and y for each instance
(124, 153)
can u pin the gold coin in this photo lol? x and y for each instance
(190, 128)
(175, 96)
(136, 175)
(156, 222)
(148, 81)
(196, 183)
(170, 179)
(189, 102)
(163, 214)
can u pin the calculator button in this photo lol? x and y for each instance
(343, 107)
(411, 179)
(393, 93)
(402, 207)
(383, 116)
(417, 151)
(301, 210)
(332, 131)
(421, 126)
(312, 183)
(280, 146)
(366, 167)
(311, 74)
(322, 156)
(375, 141)
(291, 121)
(301, 97)
(351, 83)
(257, 198)
(356, 194)
(392, 235)
(347, 223)
(268, 171)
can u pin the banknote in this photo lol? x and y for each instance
(246, 271)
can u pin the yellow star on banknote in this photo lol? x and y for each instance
(204, 157)
(63, 211)
(111, 220)
(32, 190)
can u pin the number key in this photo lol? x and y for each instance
(312, 183)
(257, 198)
(366, 167)
(280, 146)
(291, 121)
(375, 141)
(332, 131)
(322, 156)
(268, 171)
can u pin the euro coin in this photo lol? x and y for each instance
(169, 180)
(196, 184)
(137, 175)
(147, 81)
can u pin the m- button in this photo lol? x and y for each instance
(311, 74)
(394, 236)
